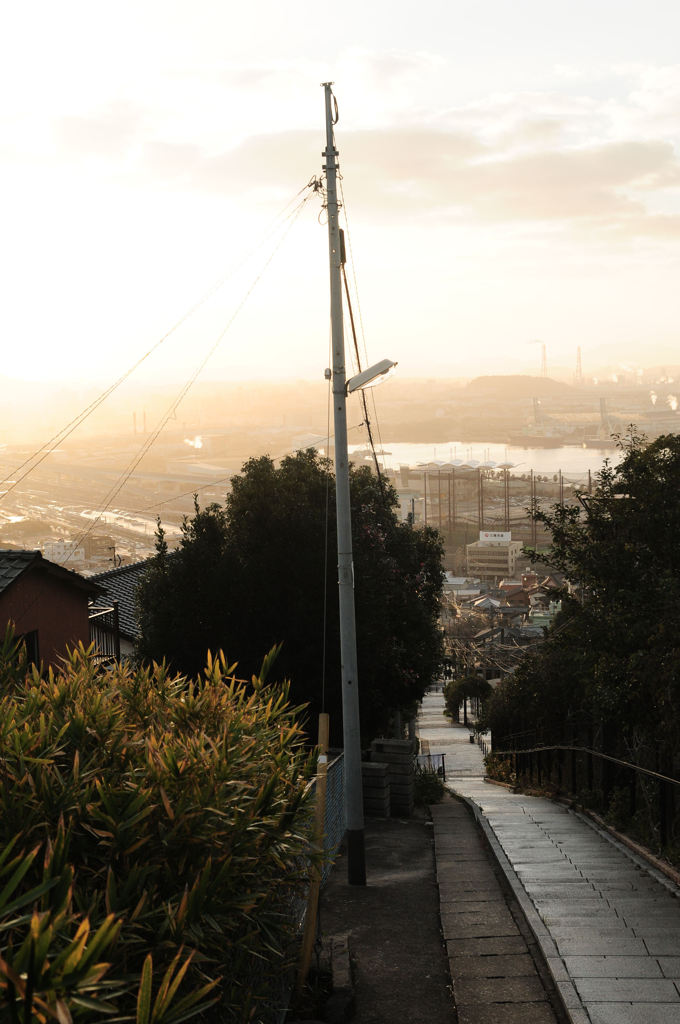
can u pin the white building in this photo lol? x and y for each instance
(60, 550)
(494, 556)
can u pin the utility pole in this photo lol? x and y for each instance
(354, 804)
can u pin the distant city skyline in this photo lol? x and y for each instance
(511, 175)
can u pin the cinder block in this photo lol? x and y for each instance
(376, 789)
(398, 756)
(393, 746)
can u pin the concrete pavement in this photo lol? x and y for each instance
(496, 970)
(607, 923)
(392, 926)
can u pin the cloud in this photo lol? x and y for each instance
(421, 173)
(581, 161)
(282, 162)
(392, 68)
(107, 132)
(174, 162)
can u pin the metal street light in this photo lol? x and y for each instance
(369, 378)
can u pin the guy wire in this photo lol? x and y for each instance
(363, 393)
(363, 339)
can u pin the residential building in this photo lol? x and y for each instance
(47, 604)
(120, 589)
(461, 587)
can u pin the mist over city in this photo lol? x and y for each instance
(511, 224)
(91, 499)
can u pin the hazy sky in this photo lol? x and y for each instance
(511, 172)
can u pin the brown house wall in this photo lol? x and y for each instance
(58, 611)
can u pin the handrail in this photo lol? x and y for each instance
(593, 753)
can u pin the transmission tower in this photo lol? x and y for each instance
(578, 377)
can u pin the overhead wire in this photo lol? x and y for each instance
(151, 439)
(363, 338)
(46, 449)
(367, 420)
(220, 480)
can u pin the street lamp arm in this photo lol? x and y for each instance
(375, 374)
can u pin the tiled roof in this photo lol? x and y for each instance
(121, 585)
(14, 563)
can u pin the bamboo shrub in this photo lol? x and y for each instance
(161, 819)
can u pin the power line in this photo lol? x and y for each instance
(363, 392)
(151, 439)
(356, 346)
(220, 480)
(40, 454)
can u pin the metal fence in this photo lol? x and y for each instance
(334, 821)
(333, 834)
(431, 764)
(619, 786)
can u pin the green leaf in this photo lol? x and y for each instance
(144, 994)
(29, 897)
(22, 869)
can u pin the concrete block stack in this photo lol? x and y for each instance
(398, 756)
(376, 789)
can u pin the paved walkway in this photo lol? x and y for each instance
(392, 925)
(607, 923)
(495, 966)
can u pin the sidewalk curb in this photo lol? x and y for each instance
(340, 1005)
(570, 1001)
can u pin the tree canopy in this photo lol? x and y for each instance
(260, 571)
(611, 662)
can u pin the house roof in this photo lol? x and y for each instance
(486, 602)
(552, 582)
(14, 564)
(517, 596)
(121, 585)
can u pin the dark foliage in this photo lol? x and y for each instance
(609, 672)
(154, 843)
(261, 570)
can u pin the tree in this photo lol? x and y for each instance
(260, 571)
(611, 662)
(458, 691)
(181, 601)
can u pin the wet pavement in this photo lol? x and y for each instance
(607, 923)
